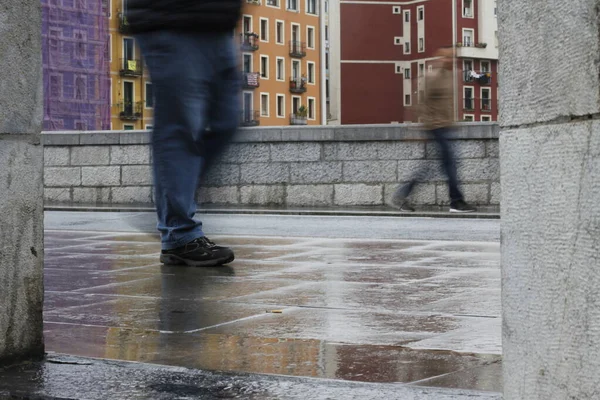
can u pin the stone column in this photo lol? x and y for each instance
(21, 182)
(550, 163)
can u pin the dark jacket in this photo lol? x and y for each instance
(183, 15)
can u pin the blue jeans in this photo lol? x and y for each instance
(440, 136)
(196, 86)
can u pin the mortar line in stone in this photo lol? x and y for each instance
(560, 120)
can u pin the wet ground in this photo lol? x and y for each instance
(419, 312)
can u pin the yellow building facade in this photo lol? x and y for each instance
(280, 64)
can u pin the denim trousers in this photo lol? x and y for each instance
(196, 87)
(440, 136)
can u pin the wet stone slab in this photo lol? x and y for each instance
(386, 311)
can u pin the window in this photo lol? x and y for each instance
(486, 118)
(264, 30)
(326, 6)
(128, 49)
(149, 127)
(80, 88)
(468, 8)
(80, 39)
(264, 104)
(296, 69)
(496, 38)
(396, 10)
(406, 73)
(485, 66)
(468, 37)
(399, 69)
(55, 86)
(311, 108)
(398, 41)
(430, 68)
(421, 70)
(326, 60)
(292, 5)
(326, 32)
(406, 16)
(468, 98)
(407, 48)
(486, 101)
(295, 104)
(407, 99)
(280, 106)
(467, 65)
(106, 8)
(311, 72)
(280, 73)
(264, 67)
(247, 24)
(420, 13)
(149, 96)
(128, 127)
(279, 32)
(468, 118)
(310, 37)
(495, 8)
(421, 45)
(273, 3)
(247, 63)
(311, 7)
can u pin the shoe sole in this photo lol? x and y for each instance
(171, 259)
(452, 210)
(393, 204)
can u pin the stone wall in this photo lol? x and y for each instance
(322, 166)
(21, 185)
(551, 183)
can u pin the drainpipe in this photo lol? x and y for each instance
(323, 69)
(455, 82)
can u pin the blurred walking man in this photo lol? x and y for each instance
(189, 48)
(437, 115)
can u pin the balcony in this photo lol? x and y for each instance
(249, 41)
(297, 49)
(251, 80)
(129, 111)
(298, 85)
(298, 118)
(123, 23)
(250, 118)
(483, 78)
(476, 50)
(131, 67)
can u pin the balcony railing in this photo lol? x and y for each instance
(298, 119)
(297, 49)
(483, 78)
(123, 23)
(298, 85)
(129, 111)
(249, 41)
(131, 67)
(470, 104)
(251, 80)
(250, 118)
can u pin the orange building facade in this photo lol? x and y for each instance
(280, 43)
(280, 64)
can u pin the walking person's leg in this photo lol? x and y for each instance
(183, 68)
(457, 203)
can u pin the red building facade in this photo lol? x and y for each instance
(387, 48)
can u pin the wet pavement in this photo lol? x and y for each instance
(403, 313)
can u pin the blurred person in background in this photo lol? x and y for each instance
(437, 115)
(188, 46)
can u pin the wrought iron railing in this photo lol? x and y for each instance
(249, 118)
(130, 111)
(131, 67)
(297, 49)
(249, 41)
(251, 80)
(298, 85)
